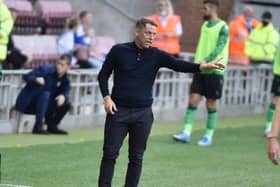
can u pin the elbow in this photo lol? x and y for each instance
(26, 78)
(101, 79)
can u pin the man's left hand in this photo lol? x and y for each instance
(216, 65)
(60, 100)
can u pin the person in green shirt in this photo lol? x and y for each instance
(275, 90)
(6, 26)
(213, 44)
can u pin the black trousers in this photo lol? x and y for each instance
(136, 122)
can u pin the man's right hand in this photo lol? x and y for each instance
(215, 65)
(109, 105)
(40, 81)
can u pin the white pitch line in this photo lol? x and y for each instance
(13, 185)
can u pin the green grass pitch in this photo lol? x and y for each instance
(237, 158)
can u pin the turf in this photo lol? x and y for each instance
(237, 158)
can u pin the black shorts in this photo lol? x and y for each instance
(275, 89)
(208, 85)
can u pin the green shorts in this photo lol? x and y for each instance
(275, 89)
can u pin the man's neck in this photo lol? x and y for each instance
(214, 18)
(137, 44)
(60, 75)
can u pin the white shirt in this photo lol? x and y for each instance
(66, 42)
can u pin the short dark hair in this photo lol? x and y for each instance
(212, 2)
(142, 22)
(66, 57)
(267, 15)
(83, 14)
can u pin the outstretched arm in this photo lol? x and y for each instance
(168, 61)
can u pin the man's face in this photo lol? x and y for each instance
(265, 21)
(162, 7)
(87, 20)
(207, 11)
(62, 67)
(145, 37)
(249, 12)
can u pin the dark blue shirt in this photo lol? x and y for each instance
(53, 84)
(134, 72)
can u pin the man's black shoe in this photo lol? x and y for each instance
(39, 131)
(57, 131)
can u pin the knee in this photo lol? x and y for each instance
(67, 106)
(276, 100)
(211, 103)
(45, 95)
(110, 153)
(194, 100)
(136, 156)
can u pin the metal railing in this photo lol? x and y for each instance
(243, 86)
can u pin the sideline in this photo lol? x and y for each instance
(13, 185)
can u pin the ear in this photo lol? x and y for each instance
(136, 31)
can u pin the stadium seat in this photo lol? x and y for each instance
(5, 92)
(42, 48)
(54, 15)
(23, 123)
(27, 20)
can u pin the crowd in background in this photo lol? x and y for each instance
(251, 41)
(77, 39)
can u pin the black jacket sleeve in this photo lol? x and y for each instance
(106, 72)
(169, 61)
(42, 71)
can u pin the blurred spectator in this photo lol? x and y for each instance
(262, 43)
(95, 59)
(65, 43)
(6, 27)
(83, 40)
(240, 28)
(15, 58)
(169, 28)
(46, 95)
(80, 36)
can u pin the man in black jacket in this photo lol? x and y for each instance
(46, 95)
(128, 107)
